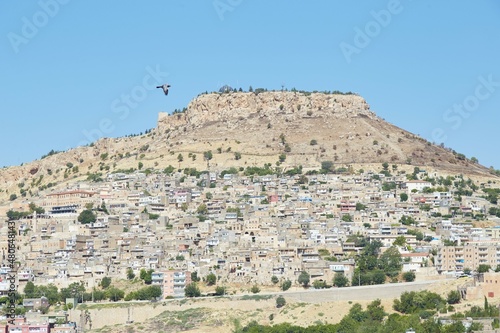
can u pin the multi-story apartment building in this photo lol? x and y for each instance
(493, 232)
(172, 282)
(21, 325)
(470, 255)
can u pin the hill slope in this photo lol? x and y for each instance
(304, 128)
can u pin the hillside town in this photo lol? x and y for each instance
(250, 227)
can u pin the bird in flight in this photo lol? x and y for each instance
(164, 87)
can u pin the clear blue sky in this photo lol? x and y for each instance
(72, 70)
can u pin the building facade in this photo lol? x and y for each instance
(174, 282)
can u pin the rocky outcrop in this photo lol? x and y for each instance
(231, 108)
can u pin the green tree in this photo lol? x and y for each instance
(149, 276)
(356, 313)
(453, 297)
(340, 280)
(169, 170)
(375, 311)
(140, 165)
(274, 279)
(403, 197)
(346, 218)
(318, 284)
(192, 290)
(220, 290)
(360, 206)
(211, 279)
(50, 291)
(146, 275)
(208, 155)
(407, 220)
(130, 273)
(409, 276)
(304, 279)
(255, 289)
(237, 155)
(142, 273)
(327, 166)
(29, 290)
(87, 216)
(114, 294)
(105, 282)
(286, 285)
(378, 276)
(35, 208)
(180, 158)
(390, 262)
(483, 268)
(103, 208)
(399, 241)
(202, 209)
(280, 301)
(194, 277)
(74, 290)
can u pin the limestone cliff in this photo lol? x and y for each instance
(232, 108)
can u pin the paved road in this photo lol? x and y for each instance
(311, 295)
(383, 291)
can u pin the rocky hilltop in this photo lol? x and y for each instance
(233, 109)
(246, 129)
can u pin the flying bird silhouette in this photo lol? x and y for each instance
(164, 87)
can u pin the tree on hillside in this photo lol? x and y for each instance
(202, 209)
(220, 290)
(208, 155)
(146, 275)
(255, 289)
(192, 290)
(105, 282)
(407, 220)
(340, 280)
(74, 290)
(286, 285)
(483, 268)
(390, 262)
(29, 290)
(211, 279)
(130, 273)
(399, 241)
(87, 216)
(304, 279)
(280, 301)
(327, 166)
(114, 294)
(453, 297)
(409, 276)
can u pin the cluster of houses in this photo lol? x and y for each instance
(245, 229)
